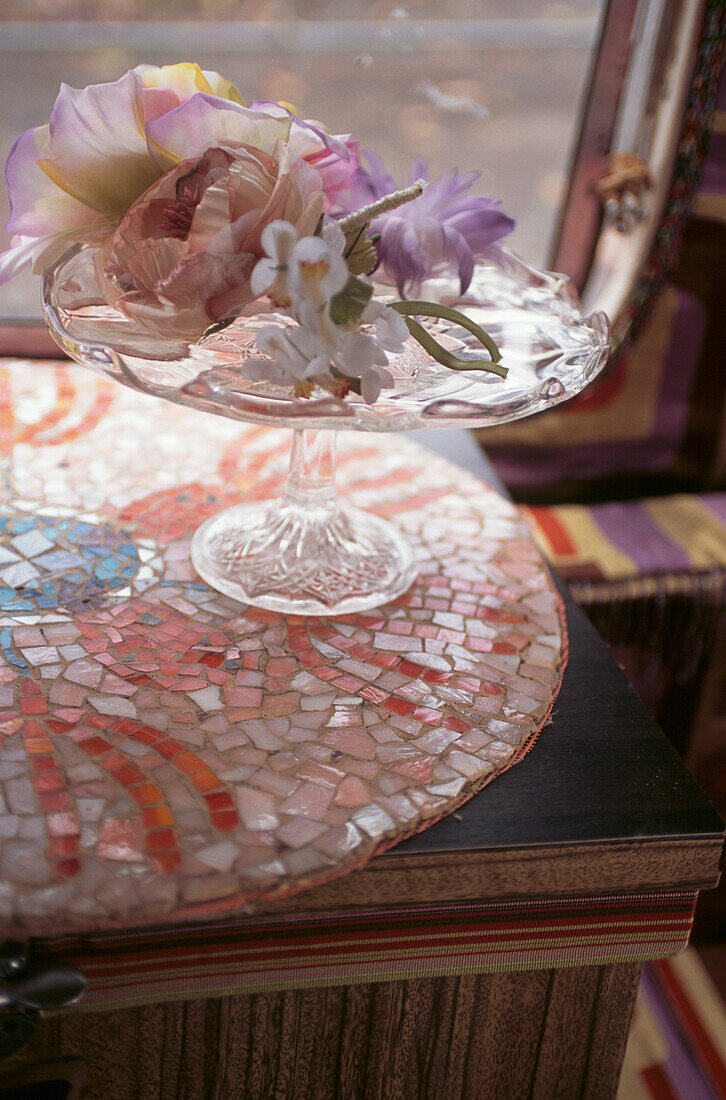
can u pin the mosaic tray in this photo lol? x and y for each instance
(166, 752)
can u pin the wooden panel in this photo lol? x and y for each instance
(528, 872)
(617, 990)
(541, 1033)
(580, 222)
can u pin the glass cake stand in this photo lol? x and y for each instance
(308, 553)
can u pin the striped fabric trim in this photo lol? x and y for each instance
(705, 588)
(378, 946)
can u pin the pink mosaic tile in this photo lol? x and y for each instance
(163, 748)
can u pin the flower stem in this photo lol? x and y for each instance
(366, 214)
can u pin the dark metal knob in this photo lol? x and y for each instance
(24, 996)
(44, 991)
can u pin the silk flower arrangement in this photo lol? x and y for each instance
(201, 209)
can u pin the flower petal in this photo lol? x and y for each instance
(317, 270)
(185, 79)
(482, 226)
(370, 387)
(263, 276)
(206, 276)
(210, 227)
(97, 150)
(153, 262)
(204, 121)
(307, 136)
(444, 225)
(163, 319)
(37, 207)
(23, 251)
(278, 240)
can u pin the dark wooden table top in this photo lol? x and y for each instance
(601, 803)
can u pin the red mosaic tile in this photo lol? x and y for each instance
(399, 706)
(54, 801)
(408, 668)
(61, 846)
(349, 683)
(427, 715)
(67, 868)
(155, 817)
(48, 781)
(161, 839)
(167, 862)
(95, 746)
(33, 705)
(129, 774)
(420, 770)
(436, 676)
(219, 800)
(422, 630)
(147, 794)
(374, 694)
(459, 725)
(38, 746)
(224, 820)
(384, 660)
(205, 780)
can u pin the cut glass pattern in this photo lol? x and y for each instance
(307, 554)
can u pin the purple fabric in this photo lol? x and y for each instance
(520, 466)
(716, 503)
(680, 1067)
(721, 93)
(713, 180)
(630, 527)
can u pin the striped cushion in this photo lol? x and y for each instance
(677, 535)
(651, 575)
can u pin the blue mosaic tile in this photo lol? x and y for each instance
(64, 562)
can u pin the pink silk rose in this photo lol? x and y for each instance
(183, 255)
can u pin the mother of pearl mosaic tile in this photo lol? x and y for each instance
(164, 749)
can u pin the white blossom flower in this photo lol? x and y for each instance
(309, 273)
(294, 349)
(360, 356)
(270, 275)
(317, 272)
(391, 329)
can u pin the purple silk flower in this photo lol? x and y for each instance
(444, 228)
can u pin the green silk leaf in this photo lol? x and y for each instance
(348, 304)
(409, 310)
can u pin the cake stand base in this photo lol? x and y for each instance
(307, 554)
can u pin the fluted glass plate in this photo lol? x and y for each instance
(550, 349)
